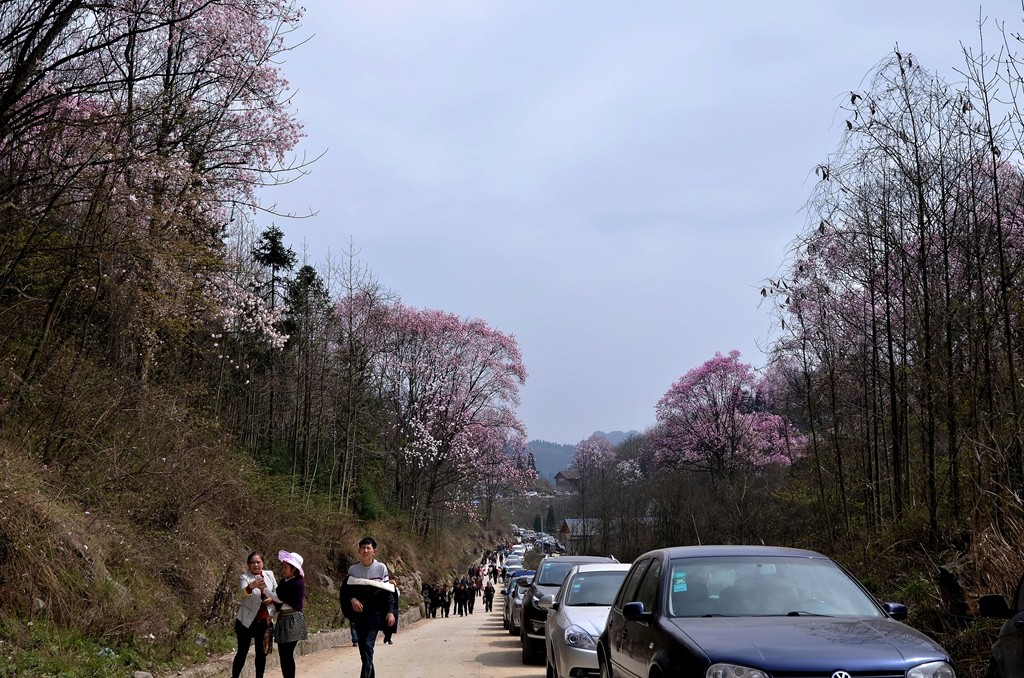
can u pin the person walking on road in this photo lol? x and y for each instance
(254, 613)
(291, 624)
(446, 601)
(460, 598)
(393, 628)
(368, 599)
(488, 597)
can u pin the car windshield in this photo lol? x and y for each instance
(593, 588)
(553, 573)
(750, 586)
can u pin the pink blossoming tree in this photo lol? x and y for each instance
(450, 386)
(708, 422)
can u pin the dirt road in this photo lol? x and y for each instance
(474, 646)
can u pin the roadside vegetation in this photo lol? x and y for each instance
(180, 389)
(885, 428)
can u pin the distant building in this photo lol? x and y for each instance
(579, 534)
(567, 481)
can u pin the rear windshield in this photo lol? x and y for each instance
(553, 573)
(594, 588)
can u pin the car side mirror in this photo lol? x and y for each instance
(635, 612)
(504, 592)
(994, 605)
(546, 602)
(897, 611)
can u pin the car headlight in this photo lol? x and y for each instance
(579, 638)
(733, 671)
(932, 670)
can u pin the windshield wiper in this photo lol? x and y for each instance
(805, 613)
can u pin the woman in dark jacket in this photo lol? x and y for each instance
(291, 624)
(393, 629)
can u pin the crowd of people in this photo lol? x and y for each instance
(479, 581)
(270, 610)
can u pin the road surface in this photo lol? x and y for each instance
(474, 646)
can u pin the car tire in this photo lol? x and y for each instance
(550, 670)
(530, 653)
(529, 656)
(603, 666)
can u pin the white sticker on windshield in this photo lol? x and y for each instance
(678, 581)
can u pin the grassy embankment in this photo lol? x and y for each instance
(121, 543)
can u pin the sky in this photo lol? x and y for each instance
(609, 182)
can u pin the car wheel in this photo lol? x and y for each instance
(993, 670)
(550, 670)
(532, 654)
(529, 656)
(603, 666)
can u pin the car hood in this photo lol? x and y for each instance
(803, 642)
(591, 618)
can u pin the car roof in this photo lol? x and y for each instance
(578, 559)
(735, 550)
(600, 567)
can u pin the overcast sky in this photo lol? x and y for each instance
(609, 182)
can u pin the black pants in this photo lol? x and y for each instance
(286, 655)
(246, 636)
(367, 639)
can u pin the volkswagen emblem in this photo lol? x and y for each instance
(841, 674)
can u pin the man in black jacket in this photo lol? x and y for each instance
(369, 600)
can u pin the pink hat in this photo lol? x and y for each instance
(293, 559)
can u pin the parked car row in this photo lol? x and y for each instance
(551, 572)
(716, 612)
(578, 613)
(512, 596)
(548, 543)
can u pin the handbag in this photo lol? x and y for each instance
(268, 638)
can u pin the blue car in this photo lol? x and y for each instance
(509, 596)
(1007, 659)
(757, 612)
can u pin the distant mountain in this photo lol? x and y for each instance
(551, 458)
(618, 437)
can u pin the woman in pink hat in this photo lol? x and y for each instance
(291, 625)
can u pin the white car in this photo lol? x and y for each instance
(577, 616)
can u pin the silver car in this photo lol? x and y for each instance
(576, 617)
(515, 610)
